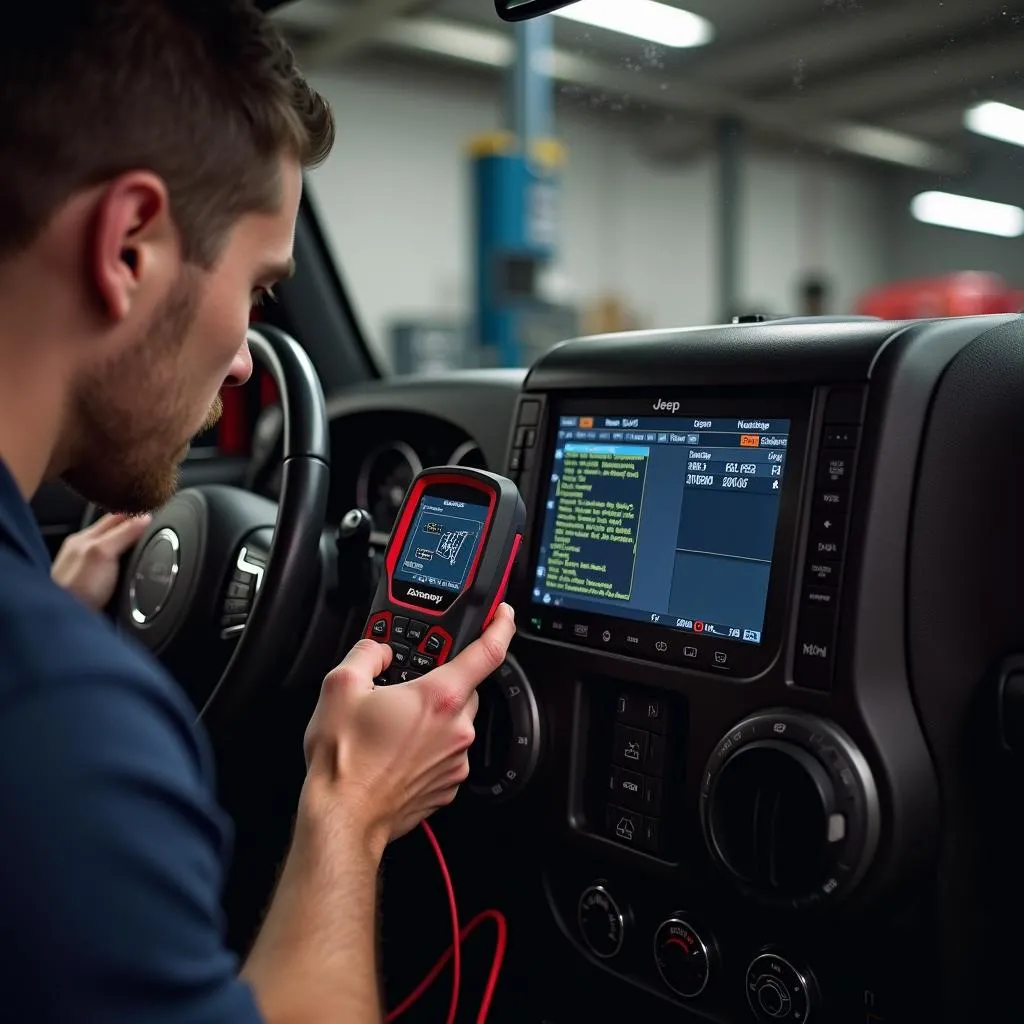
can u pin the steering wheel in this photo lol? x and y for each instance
(221, 586)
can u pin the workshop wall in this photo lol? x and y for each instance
(394, 198)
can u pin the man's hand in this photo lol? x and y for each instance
(392, 755)
(88, 562)
(379, 760)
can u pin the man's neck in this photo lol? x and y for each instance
(33, 392)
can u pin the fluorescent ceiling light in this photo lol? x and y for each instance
(645, 19)
(997, 121)
(951, 211)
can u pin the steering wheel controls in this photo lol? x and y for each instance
(245, 582)
(416, 647)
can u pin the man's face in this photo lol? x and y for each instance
(135, 412)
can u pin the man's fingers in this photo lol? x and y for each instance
(105, 523)
(123, 534)
(367, 660)
(471, 667)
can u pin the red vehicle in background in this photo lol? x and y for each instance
(969, 293)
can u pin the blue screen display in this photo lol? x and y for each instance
(442, 543)
(669, 521)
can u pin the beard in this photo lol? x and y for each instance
(130, 415)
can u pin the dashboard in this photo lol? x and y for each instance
(754, 754)
(382, 436)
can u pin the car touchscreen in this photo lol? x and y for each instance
(442, 543)
(669, 520)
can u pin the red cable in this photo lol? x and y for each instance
(492, 978)
(453, 952)
(454, 949)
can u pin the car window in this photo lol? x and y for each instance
(692, 161)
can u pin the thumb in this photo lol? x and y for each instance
(468, 669)
(117, 540)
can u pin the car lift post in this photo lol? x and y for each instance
(730, 216)
(515, 191)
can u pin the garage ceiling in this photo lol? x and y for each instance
(886, 80)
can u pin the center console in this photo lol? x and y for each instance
(739, 694)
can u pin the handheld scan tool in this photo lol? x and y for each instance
(446, 566)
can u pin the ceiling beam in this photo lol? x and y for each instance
(840, 37)
(944, 116)
(698, 100)
(354, 29)
(910, 80)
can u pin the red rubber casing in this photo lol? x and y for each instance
(428, 623)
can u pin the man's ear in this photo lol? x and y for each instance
(135, 248)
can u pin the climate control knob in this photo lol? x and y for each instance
(506, 749)
(602, 921)
(790, 809)
(777, 990)
(685, 960)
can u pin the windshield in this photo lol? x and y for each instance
(629, 164)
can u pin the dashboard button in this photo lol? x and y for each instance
(841, 436)
(423, 662)
(434, 644)
(624, 825)
(515, 462)
(529, 414)
(828, 532)
(821, 597)
(690, 656)
(822, 571)
(835, 468)
(399, 626)
(641, 712)
(379, 629)
(660, 646)
(526, 437)
(815, 640)
(626, 788)
(399, 655)
(834, 499)
(652, 795)
(415, 631)
(630, 747)
(652, 834)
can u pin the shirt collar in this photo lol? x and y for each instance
(18, 525)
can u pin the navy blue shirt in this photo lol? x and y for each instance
(112, 845)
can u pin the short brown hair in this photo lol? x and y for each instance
(204, 93)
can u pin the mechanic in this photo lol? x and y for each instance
(148, 194)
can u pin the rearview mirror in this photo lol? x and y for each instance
(523, 10)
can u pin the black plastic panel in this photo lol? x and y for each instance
(774, 353)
